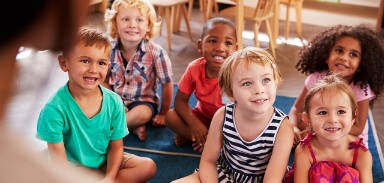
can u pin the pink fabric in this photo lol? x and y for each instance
(328, 171)
(207, 91)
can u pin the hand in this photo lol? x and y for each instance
(158, 121)
(199, 135)
(106, 180)
(300, 135)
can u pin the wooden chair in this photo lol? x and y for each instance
(171, 8)
(298, 4)
(263, 11)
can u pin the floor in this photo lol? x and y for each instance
(40, 78)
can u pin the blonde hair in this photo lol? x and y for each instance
(145, 8)
(244, 58)
(91, 37)
(327, 84)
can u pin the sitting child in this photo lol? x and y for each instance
(137, 64)
(249, 140)
(217, 42)
(84, 123)
(329, 153)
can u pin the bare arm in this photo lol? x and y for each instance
(278, 163)
(57, 153)
(361, 118)
(198, 130)
(295, 117)
(114, 158)
(364, 166)
(208, 167)
(302, 164)
(166, 101)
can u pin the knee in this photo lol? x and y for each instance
(149, 166)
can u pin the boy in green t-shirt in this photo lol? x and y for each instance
(84, 123)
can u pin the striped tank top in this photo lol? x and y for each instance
(242, 161)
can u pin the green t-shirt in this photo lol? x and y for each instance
(85, 140)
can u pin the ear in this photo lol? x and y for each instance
(305, 118)
(63, 63)
(200, 46)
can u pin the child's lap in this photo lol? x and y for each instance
(204, 119)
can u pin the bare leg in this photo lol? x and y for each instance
(183, 132)
(136, 119)
(137, 169)
(194, 177)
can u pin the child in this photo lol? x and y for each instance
(355, 54)
(217, 42)
(249, 139)
(84, 123)
(329, 153)
(137, 64)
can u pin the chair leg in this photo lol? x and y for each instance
(256, 27)
(168, 22)
(271, 38)
(299, 7)
(183, 9)
(190, 8)
(287, 21)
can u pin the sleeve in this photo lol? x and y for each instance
(119, 123)
(186, 83)
(312, 79)
(50, 125)
(363, 93)
(163, 66)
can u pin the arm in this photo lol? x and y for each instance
(277, 165)
(57, 153)
(295, 116)
(114, 158)
(302, 164)
(361, 118)
(198, 130)
(166, 100)
(208, 167)
(364, 166)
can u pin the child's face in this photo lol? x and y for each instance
(254, 89)
(217, 44)
(131, 25)
(345, 58)
(87, 66)
(330, 115)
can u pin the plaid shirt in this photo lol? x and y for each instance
(135, 79)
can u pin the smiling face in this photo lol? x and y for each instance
(254, 88)
(132, 26)
(345, 58)
(87, 66)
(330, 115)
(217, 44)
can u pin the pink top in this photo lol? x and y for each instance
(207, 91)
(361, 93)
(329, 171)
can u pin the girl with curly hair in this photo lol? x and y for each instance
(355, 53)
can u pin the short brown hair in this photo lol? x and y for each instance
(244, 58)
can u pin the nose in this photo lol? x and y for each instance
(332, 118)
(92, 68)
(220, 47)
(258, 89)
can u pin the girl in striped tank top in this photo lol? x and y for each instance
(249, 140)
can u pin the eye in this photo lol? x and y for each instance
(103, 63)
(125, 19)
(266, 80)
(341, 112)
(338, 50)
(353, 54)
(211, 41)
(322, 113)
(228, 43)
(84, 61)
(247, 83)
(140, 20)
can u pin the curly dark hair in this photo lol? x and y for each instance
(313, 58)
